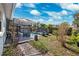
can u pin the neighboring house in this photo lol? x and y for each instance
(25, 27)
(5, 14)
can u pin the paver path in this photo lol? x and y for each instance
(28, 50)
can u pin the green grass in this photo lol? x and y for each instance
(40, 46)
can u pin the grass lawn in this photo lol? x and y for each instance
(52, 45)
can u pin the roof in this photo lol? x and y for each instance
(23, 22)
(7, 8)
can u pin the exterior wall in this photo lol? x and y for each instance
(3, 31)
(2, 40)
(6, 9)
(1, 44)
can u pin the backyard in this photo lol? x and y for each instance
(46, 38)
(53, 41)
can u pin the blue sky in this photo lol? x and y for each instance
(48, 13)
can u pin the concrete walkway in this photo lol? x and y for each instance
(28, 50)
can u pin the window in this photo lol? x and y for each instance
(0, 25)
(0, 21)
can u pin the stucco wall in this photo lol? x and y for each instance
(1, 45)
(2, 40)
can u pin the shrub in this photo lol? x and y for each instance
(40, 46)
(75, 32)
(63, 27)
(77, 38)
(55, 32)
(8, 51)
(74, 38)
(69, 31)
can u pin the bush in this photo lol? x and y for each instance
(8, 51)
(40, 46)
(55, 32)
(74, 39)
(69, 31)
(77, 38)
(75, 32)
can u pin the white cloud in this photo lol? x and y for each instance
(35, 12)
(50, 21)
(64, 12)
(51, 13)
(70, 6)
(41, 20)
(55, 15)
(18, 5)
(30, 5)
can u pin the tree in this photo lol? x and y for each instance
(44, 30)
(34, 27)
(43, 26)
(50, 27)
(62, 32)
(76, 20)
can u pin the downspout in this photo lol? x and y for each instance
(4, 22)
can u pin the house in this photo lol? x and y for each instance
(24, 28)
(21, 21)
(5, 15)
(25, 24)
